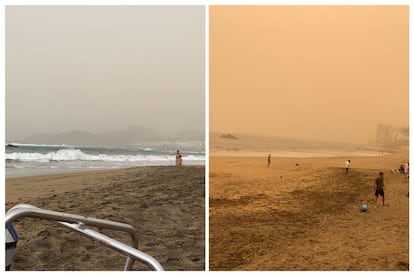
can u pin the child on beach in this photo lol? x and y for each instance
(379, 188)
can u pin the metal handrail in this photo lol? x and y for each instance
(79, 223)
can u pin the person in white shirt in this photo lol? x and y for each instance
(347, 165)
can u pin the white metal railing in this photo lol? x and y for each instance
(80, 223)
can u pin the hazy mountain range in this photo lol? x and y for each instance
(128, 136)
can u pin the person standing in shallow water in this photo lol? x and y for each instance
(347, 165)
(178, 159)
(268, 160)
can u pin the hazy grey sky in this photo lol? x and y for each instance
(100, 68)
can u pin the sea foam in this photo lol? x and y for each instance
(77, 154)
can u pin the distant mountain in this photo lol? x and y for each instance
(75, 137)
(128, 136)
(188, 135)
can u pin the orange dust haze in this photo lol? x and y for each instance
(313, 72)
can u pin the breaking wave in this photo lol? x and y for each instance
(78, 155)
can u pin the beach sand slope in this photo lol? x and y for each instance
(303, 214)
(164, 204)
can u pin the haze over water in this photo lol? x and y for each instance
(103, 68)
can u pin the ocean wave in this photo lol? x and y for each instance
(78, 155)
(39, 145)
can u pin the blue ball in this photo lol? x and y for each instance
(363, 208)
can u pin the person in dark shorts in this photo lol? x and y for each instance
(379, 188)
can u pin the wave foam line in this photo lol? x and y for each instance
(76, 154)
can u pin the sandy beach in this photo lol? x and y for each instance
(303, 214)
(164, 204)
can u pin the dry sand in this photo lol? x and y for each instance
(164, 204)
(307, 217)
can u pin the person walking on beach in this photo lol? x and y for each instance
(178, 159)
(268, 160)
(347, 165)
(379, 189)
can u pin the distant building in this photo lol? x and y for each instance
(391, 135)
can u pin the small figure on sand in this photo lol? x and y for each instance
(379, 189)
(347, 165)
(407, 171)
(268, 160)
(178, 159)
(400, 170)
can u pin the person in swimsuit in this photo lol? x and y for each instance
(178, 159)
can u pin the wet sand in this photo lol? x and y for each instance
(306, 217)
(164, 204)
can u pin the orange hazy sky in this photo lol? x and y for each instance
(313, 72)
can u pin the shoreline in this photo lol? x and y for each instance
(300, 154)
(28, 172)
(382, 161)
